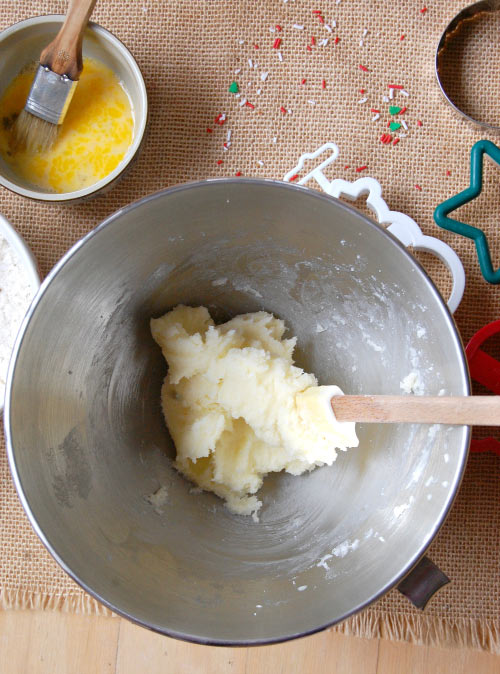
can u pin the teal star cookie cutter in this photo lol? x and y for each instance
(479, 149)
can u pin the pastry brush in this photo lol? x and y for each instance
(55, 82)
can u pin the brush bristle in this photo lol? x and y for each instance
(33, 133)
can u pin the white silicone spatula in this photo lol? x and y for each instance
(456, 410)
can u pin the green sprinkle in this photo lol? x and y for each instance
(394, 109)
(394, 126)
(234, 88)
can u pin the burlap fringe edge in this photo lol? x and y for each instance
(425, 630)
(66, 603)
(416, 629)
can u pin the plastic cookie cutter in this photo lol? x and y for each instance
(479, 149)
(486, 371)
(400, 225)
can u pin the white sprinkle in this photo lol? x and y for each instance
(249, 85)
(290, 112)
(328, 28)
(274, 139)
(323, 43)
(264, 76)
(272, 30)
(228, 137)
(312, 102)
(362, 100)
(250, 63)
(242, 102)
(376, 117)
(241, 41)
(237, 71)
(302, 588)
(405, 93)
(298, 26)
(258, 605)
(445, 483)
(237, 95)
(385, 99)
(446, 458)
(429, 497)
(404, 124)
(334, 24)
(225, 148)
(260, 162)
(361, 43)
(381, 538)
(403, 135)
(391, 94)
(255, 65)
(280, 57)
(259, 91)
(365, 32)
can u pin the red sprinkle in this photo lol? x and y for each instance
(313, 41)
(323, 84)
(219, 161)
(321, 19)
(419, 123)
(385, 138)
(374, 110)
(209, 130)
(362, 91)
(346, 167)
(303, 80)
(294, 177)
(423, 10)
(283, 110)
(395, 141)
(403, 110)
(337, 40)
(237, 174)
(277, 43)
(364, 69)
(361, 168)
(448, 173)
(388, 125)
(309, 48)
(402, 37)
(249, 105)
(278, 28)
(316, 11)
(417, 187)
(395, 86)
(256, 46)
(220, 119)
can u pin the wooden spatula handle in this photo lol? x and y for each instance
(457, 410)
(64, 54)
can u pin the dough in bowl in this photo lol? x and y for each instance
(237, 407)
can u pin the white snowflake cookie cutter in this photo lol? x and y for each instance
(400, 225)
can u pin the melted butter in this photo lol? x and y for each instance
(94, 138)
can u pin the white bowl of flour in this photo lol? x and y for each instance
(19, 282)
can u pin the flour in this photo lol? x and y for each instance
(16, 293)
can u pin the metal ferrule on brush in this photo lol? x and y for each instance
(50, 95)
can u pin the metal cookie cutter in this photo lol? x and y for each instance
(400, 225)
(468, 14)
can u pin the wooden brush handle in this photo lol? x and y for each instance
(457, 410)
(64, 54)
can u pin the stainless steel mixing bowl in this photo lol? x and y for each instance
(88, 446)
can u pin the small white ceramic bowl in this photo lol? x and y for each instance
(26, 258)
(22, 43)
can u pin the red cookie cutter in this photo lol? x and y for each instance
(486, 371)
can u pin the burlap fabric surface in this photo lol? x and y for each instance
(188, 52)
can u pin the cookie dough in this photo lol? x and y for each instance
(237, 407)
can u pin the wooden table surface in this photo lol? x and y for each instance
(35, 642)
